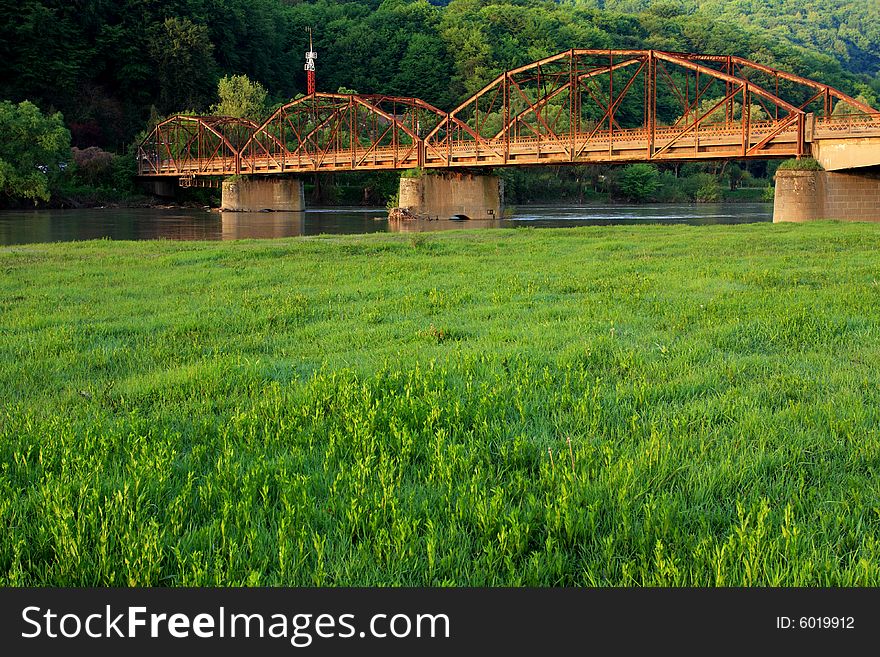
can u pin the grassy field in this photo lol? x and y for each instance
(382, 409)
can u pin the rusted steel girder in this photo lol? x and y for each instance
(197, 145)
(823, 90)
(582, 106)
(578, 106)
(329, 132)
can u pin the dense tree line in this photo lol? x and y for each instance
(848, 30)
(105, 64)
(111, 66)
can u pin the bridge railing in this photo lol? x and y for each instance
(844, 125)
(732, 132)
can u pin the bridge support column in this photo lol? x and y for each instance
(258, 194)
(814, 195)
(448, 194)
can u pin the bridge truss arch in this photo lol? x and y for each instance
(194, 145)
(833, 110)
(582, 106)
(333, 132)
(579, 106)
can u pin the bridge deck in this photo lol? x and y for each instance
(708, 143)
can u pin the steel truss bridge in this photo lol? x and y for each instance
(577, 107)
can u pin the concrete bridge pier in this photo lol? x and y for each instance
(259, 194)
(814, 195)
(446, 194)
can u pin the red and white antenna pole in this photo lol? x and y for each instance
(311, 56)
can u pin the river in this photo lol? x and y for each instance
(23, 227)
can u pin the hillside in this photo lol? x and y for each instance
(110, 66)
(849, 31)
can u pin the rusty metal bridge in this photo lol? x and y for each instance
(577, 107)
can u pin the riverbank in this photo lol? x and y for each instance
(395, 409)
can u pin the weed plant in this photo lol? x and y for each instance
(608, 406)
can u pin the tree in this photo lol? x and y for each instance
(734, 175)
(719, 115)
(638, 182)
(34, 150)
(421, 72)
(183, 51)
(93, 165)
(241, 98)
(866, 96)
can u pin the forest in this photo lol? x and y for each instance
(109, 69)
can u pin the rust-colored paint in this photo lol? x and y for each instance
(574, 107)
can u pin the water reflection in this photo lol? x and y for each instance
(18, 227)
(261, 225)
(606, 215)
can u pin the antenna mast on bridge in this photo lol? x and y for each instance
(311, 56)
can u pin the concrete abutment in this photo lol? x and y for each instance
(444, 195)
(816, 195)
(258, 194)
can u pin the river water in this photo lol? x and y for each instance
(22, 227)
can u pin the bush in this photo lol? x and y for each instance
(694, 182)
(670, 190)
(123, 172)
(709, 192)
(638, 182)
(803, 164)
(93, 166)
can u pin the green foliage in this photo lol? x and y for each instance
(801, 164)
(34, 149)
(670, 190)
(769, 194)
(378, 410)
(711, 114)
(602, 183)
(745, 195)
(92, 166)
(105, 67)
(241, 98)
(735, 175)
(848, 31)
(638, 182)
(866, 95)
(692, 184)
(183, 52)
(123, 173)
(96, 176)
(708, 192)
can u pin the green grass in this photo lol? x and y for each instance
(379, 409)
